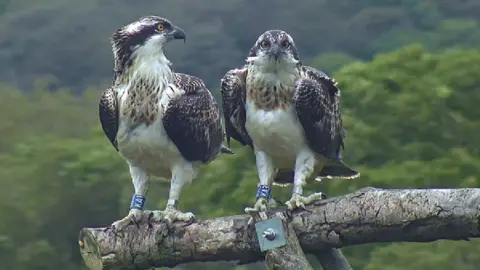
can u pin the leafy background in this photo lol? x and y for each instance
(408, 71)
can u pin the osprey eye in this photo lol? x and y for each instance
(264, 44)
(285, 44)
(160, 27)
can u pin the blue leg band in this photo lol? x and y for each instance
(138, 202)
(264, 191)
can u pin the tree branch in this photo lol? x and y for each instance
(290, 256)
(366, 216)
(332, 259)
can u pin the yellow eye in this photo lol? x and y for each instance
(160, 27)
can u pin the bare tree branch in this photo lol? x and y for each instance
(366, 216)
(332, 259)
(290, 256)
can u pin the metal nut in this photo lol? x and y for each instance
(269, 234)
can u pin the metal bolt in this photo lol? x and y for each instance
(269, 234)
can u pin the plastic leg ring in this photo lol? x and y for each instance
(138, 202)
(264, 191)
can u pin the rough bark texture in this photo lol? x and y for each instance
(366, 216)
(290, 256)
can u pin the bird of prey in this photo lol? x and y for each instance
(162, 123)
(288, 113)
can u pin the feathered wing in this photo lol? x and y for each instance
(316, 102)
(233, 89)
(108, 114)
(192, 121)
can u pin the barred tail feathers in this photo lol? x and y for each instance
(225, 150)
(337, 170)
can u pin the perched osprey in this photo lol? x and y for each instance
(162, 123)
(289, 114)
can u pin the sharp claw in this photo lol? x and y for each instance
(190, 222)
(272, 203)
(133, 217)
(298, 201)
(170, 215)
(260, 206)
(114, 231)
(134, 221)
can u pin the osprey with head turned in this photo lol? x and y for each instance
(162, 123)
(289, 114)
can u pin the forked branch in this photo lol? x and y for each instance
(365, 216)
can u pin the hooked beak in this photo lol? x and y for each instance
(177, 33)
(275, 51)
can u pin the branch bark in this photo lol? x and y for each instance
(366, 216)
(333, 259)
(290, 256)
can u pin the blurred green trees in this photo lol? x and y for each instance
(411, 114)
(69, 39)
(412, 120)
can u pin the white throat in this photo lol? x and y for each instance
(152, 68)
(272, 73)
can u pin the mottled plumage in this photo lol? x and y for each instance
(287, 112)
(317, 111)
(193, 121)
(108, 113)
(162, 123)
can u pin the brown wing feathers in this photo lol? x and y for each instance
(108, 113)
(233, 100)
(192, 121)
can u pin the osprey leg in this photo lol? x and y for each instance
(266, 173)
(304, 168)
(181, 175)
(140, 181)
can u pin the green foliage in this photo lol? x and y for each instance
(439, 255)
(411, 122)
(71, 39)
(332, 61)
(411, 118)
(411, 114)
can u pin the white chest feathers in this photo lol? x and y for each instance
(276, 132)
(142, 138)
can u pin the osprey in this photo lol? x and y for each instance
(289, 114)
(162, 123)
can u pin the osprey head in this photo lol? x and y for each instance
(144, 37)
(274, 47)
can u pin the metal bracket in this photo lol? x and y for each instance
(270, 234)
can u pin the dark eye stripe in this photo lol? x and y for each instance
(166, 25)
(125, 42)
